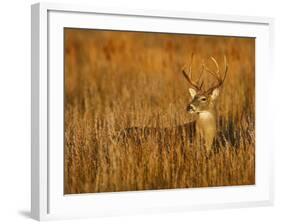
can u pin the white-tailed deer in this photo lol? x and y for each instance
(203, 100)
(201, 104)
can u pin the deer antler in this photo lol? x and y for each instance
(217, 75)
(188, 76)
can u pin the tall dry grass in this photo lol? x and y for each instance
(116, 80)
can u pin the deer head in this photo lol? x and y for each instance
(202, 99)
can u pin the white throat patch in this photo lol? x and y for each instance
(205, 115)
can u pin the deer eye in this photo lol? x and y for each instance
(204, 99)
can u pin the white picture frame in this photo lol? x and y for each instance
(48, 201)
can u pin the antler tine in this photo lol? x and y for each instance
(225, 70)
(188, 75)
(216, 63)
(202, 83)
(200, 76)
(226, 67)
(217, 74)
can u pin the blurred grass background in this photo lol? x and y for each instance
(116, 80)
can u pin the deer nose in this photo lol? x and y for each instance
(190, 108)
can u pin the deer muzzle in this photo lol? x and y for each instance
(190, 108)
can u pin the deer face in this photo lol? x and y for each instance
(201, 101)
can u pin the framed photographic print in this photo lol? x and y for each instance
(148, 111)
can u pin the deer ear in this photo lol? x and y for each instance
(192, 92)
(215, 94)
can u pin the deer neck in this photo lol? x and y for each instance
(206, 126)
(206, 123)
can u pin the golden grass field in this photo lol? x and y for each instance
(116, 80)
